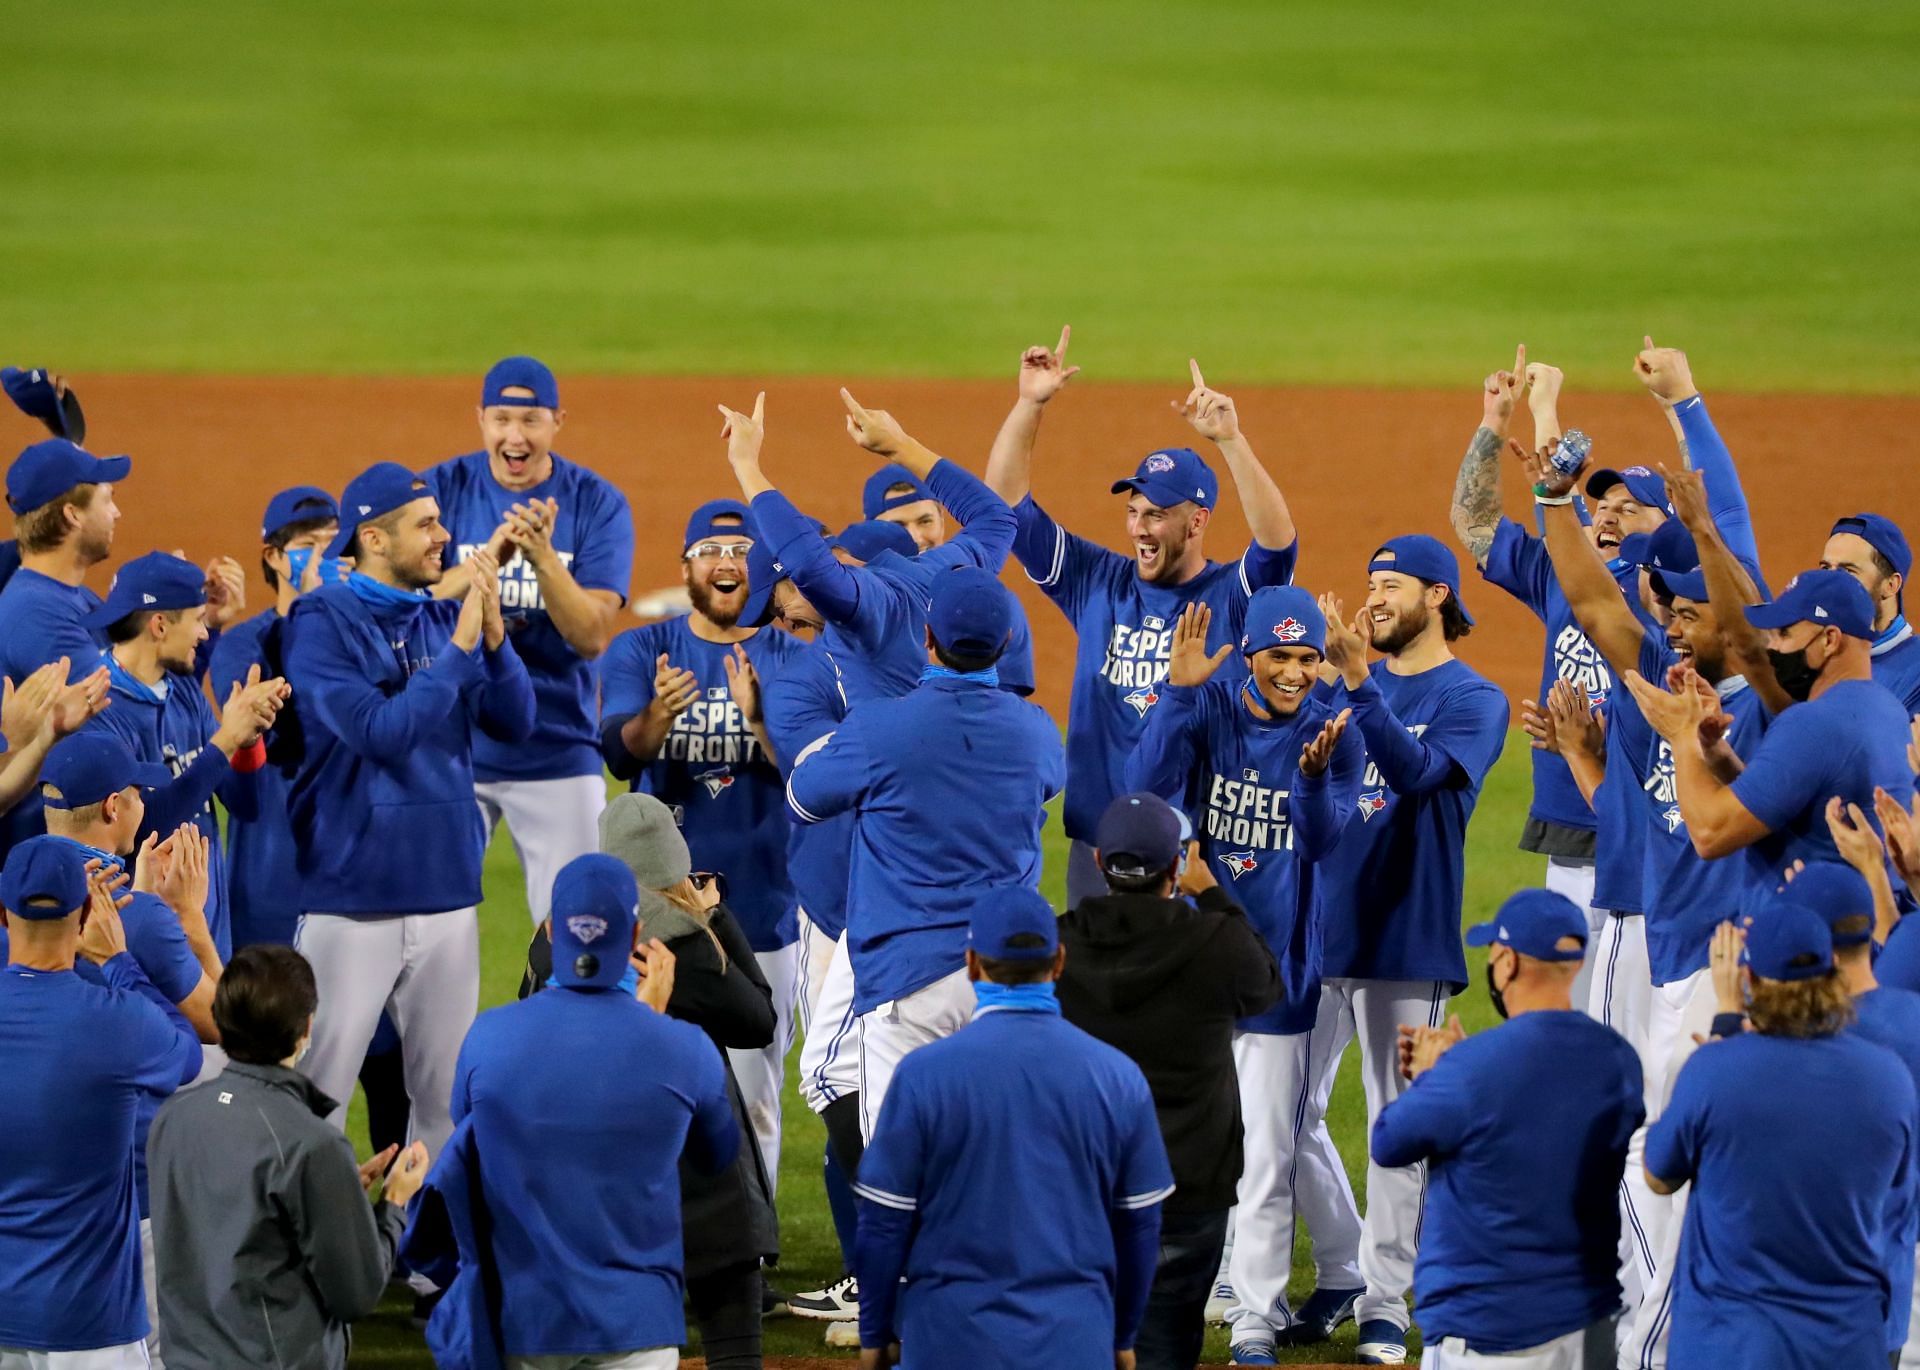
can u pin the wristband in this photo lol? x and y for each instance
(1728, 1025)
(1540, 496)
(251, 757)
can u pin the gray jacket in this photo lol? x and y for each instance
(264, 1245)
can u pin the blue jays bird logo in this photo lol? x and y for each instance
(1142, 699)
(715, 780)
(1673, 818)
(1289, 630)
(1238, 863)
(1371, 803)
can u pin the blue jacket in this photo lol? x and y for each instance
(448, 1240)
(382, 806)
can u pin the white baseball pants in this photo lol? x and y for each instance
(150, 1287)
(1621, 996)
(1591, 1348)
(830, 1055)
(659, 1358)
(762, 1071)
(1291, 1169)
(550, 821)
(890, 1031)
(1574, 878)
(1910, 1353)
(424, 970)
(132, 1356)
(1374, 1010)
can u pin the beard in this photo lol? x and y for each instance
(722, 608)
(96, 547)
(1407, 625)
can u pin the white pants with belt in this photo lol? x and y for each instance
(890, 1031)
(550, 821)
(1591, 1348)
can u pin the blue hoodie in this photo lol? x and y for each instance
(382, 806)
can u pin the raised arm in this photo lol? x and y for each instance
(1591, 591)
(1730, 589)
(1331, 765)
(1171, 745)
(1476, 490)
(1214, 417)
(1043, 374)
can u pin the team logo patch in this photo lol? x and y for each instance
(716, 780)
(366, 508)
(1674, 821)
(146, 598)
(1635, 471)
(1159, 464)
(587, 927)
(1371, 803)
(1142, 699)
(1238, 863)
(1289, 630)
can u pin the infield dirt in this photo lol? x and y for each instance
(1357, 466)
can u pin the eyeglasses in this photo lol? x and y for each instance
(719, 551)
(701, 880)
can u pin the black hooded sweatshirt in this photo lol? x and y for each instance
(1165, 980)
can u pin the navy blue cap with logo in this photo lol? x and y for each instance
(867, 539)
(374, 493)
(971, 612)
(1646, 486)
(32, 391)
(1826, 599)
(1427, 558)
(520, 373)
(298, 504)
(874, 499)
(45, 879)
(158, 582)
(1786, 940)
(47, 470)
(1534, 923)
(1138, 834)
(1283, 616)
(1013, 914)
(1173, 475)
(87, 767)
(1672, 561)
(763, 573)
(595, 908)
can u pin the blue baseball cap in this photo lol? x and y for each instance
(595, 907)
(47, 470)
(1829, 599)
(1835, 891)
(1138, 834)
(763, 573)
(45, 879)
(1646, 486)
(874, 499)
(1283, 616)
(1786, 940)
(702, 524)
(1532, 922)
(375, 493)
(520, 373)
(156, 583)
(1173, 475)
(297, 505)
(1000, 915)
(867, 539)
(1883, 535)
(971, 612)
(1671, 558)
(32, 392)
(88, 766)
(1430, 559)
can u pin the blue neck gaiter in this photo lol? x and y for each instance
(993, 998)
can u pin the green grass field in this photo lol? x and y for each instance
(809, 1254)
(1316, 191)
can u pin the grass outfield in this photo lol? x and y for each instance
(809, 1255)
(1333, 190)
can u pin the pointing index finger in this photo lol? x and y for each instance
(1066, 336)
(1199, 381)
(759, 407)
(853, 406)
(1520, 365)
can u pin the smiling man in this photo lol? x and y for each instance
(1123, 607)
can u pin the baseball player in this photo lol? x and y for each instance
(394, 686)
(1391, 889)
(680, 718)
(261, 887)
(77, 1058)
(1270, 768)
(563, 541)
(44, 395)
(928, 840)
(1123, 608)
(1516, 1265)
(1018, 1119)
(157, 618)
(1872, 549)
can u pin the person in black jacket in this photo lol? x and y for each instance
(1164, 979)
(728, 1222)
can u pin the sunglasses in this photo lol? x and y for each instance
(702, 880)
(719, 551)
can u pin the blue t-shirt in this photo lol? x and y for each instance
(1518, 1244)
(76, 1058)
(263, 899)
(42, 620)
(1014, 1141)
(1687, 896)
(1518, 563)
(949, 786)
(1846, 741)
(1123, 628)
(807, 699)
(1792, 1146)
(1896, 663)
(1393, 886)
(726, 795)
(1890, 1017)
(1262, 825)
(1898, 963)
(593, 534)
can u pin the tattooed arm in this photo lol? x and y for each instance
(1476, 493)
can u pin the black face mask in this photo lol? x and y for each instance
(1493, 993)
(1796, 677)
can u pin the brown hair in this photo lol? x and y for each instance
(1018, 972)
(1817, 1007)
(264, 1001)
(45, 528)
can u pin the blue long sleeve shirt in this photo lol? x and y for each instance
(804, 702)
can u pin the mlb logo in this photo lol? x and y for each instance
(1251, 776)
(587, 927)
(1238, 863)
(1154, 623)
(716, 692)
(1289, 630)
(1159, 463)
(1371, 803)
(1142, 699)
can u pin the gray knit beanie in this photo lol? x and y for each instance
(639, 830)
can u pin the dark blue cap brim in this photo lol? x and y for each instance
(143, 776)
(1162, 492)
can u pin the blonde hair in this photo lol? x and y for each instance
(1816, 1007)
(45, 528)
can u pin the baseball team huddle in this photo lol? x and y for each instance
(1055, 1138)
